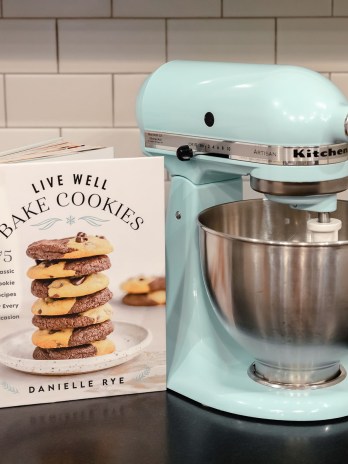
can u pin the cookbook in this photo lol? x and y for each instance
(82, 283)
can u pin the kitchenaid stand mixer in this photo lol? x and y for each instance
(256, 301)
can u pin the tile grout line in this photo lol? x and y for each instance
(5, 101)
(166, 39)
(275, 40)
(113, 100)
(57, 46)
(176, 18)
(69, 127)
(79, 73)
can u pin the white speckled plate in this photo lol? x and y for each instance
(16, 351)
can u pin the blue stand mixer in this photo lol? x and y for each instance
(257, 302)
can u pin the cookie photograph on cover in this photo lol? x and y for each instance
(82, 315)
(73, 275)
(74, 311)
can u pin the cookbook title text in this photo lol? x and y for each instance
(81, 197)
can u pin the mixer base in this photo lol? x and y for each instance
(295, 380)
(222, 383)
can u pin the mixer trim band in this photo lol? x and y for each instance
(252, 152)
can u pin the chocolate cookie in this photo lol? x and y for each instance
(69, 268)
(145, 299)
(141, 284)
(69, 288)
(52, 307)
(92, 316)
(72, 337)
(98, 348)
(81, 246)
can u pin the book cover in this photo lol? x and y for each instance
(82, 285)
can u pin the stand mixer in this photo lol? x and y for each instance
(257, 302)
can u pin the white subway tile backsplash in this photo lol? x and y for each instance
(341, 80)
(167, 185)
(276, 8)
(343, 195)
(58, 100)
(319, 44)
(13, 138)
(166, 8)
(248, 192)
(126, 142)
(126, 89)
(340, 7)
(244, 40)
(80, 69)
(55, 8)
(27, 46)
(111, 45)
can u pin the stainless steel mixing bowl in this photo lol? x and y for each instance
(283, 299)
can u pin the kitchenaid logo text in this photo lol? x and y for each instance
(82, 196)
(310, 153)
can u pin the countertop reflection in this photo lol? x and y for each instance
(160, 428)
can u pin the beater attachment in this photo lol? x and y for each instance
(323, 228)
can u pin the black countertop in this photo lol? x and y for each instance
(160, 428)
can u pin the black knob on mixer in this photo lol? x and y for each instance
(184, 153)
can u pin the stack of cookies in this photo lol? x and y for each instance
(144, 291)
(72, 313)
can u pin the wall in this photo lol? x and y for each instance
(73, 67)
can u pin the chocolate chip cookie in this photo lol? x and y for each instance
(63, 306)
(98, 348)
(56, 269)
(144, 291)
(142, 284)
(69, 287)
(80, 246)
(89, 317)
(72, 337)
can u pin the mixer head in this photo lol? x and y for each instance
(284, 126)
